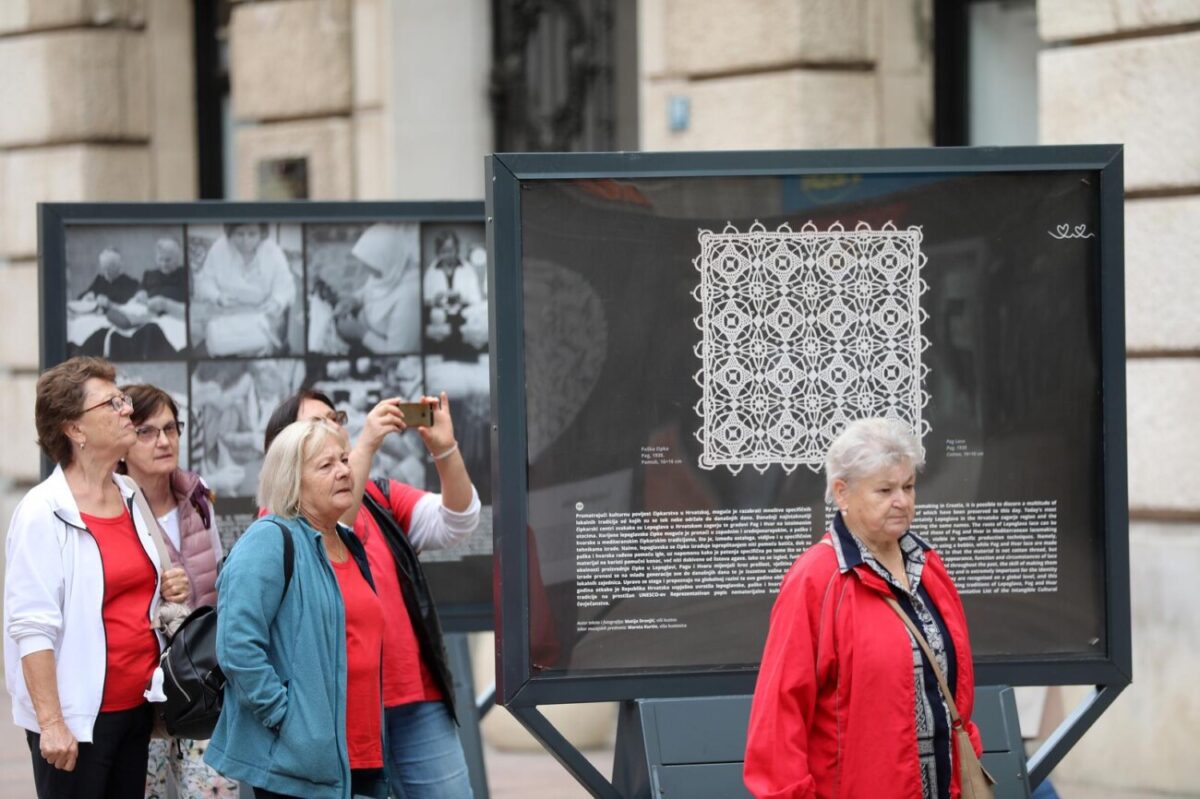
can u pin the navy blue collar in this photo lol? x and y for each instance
(848, 554)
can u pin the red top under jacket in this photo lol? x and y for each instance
(129, 586)
(406, 678)
(364, 641)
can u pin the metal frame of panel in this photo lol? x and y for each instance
(54, 218)
(517, 684)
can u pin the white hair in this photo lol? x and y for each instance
(867, 446)
(166, 242)
(279, 480)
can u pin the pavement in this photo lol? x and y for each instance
(511, 775)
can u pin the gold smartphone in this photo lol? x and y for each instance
(417, 414)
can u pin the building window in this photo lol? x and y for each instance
(563, 75)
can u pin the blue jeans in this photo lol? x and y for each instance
(424, 756)
(1045, 791)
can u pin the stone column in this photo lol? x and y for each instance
(373, 97)
(382, 99)
(291, 85)
(784, 74)
(441, 115)
(1125, 71)
(98, 105)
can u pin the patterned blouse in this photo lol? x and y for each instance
(932, 715)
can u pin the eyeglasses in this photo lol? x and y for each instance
(117, 402)
(337, 417)
(148, 433)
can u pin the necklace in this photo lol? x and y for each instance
(335, 549)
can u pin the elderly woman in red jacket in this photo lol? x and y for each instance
(846, 703)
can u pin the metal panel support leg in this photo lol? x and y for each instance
(565, 753)
(1054, 748)
(459, 652)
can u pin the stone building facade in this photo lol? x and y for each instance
(97, 98)
(1126, 72)
(390, 99)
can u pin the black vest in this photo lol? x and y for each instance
(421, 611)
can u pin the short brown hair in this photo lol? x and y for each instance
(288, 411)
(147, 400)
(60, 400)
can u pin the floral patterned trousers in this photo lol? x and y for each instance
(181, 761)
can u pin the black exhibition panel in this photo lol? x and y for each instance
(232, 306)
(676, 339)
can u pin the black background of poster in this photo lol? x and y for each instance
(462, 586)
(1014, 368)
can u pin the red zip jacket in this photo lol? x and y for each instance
(833, 707)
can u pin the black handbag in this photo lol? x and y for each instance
(192, 679)
(193, 682)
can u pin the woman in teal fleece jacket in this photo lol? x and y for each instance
(282, 725)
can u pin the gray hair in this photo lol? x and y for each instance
(279, 481)
(868, 445)
(168, 243)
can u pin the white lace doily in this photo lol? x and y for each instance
(802, 332)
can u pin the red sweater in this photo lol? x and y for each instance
(364, 642)
(833, 708)
(129, 586)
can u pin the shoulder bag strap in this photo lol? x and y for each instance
(289, 558)
(384, 486)
(139, 499)
(912, 628)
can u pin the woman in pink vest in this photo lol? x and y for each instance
(182, 502)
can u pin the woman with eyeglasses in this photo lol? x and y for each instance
(81, 590)
(183, 505)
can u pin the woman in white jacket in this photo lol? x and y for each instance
(81, 591)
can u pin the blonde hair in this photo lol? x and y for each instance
(866, 446)
(279, 481)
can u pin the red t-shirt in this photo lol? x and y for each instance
(406, 678)
(364, 646)
(129, 586)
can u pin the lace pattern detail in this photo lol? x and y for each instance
(802, 332)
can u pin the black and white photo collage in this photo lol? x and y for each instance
(232, 318)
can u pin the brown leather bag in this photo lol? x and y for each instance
(974, 780)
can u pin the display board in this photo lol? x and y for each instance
(231, 307)
(678, 338)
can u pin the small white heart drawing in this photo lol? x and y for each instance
(1080, 230)
(1064, 229)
